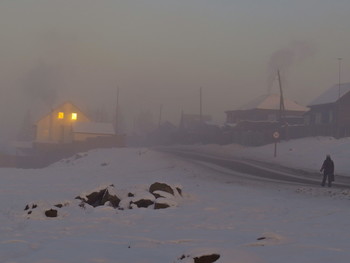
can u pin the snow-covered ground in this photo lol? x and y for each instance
(242, 221)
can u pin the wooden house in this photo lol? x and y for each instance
(267, 108)
(67, 123)
(57, 125)
(329, 113)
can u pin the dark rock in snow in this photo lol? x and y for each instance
(160, 194)
(113, 199)
(100, 198)
(179, 191)
(131, 195)
(161, 187)
(161, 206)
(143, 203)
(207, 258)
(26, 208)
(59, 205)
(51, 213)
(94, 199)
(157, 195)
(202, 259)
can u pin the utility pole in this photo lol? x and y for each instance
(338, 102)
(200, 106)
(51, 125)
(160, 115)
(181, 125)
(339, 62)
(117, 113)
(282, 120)
(282, 109)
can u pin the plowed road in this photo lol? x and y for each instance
(258, 170)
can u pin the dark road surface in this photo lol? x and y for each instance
(259, 169)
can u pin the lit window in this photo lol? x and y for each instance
(61, 115)
(74, 116)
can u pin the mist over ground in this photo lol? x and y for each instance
(162, 52)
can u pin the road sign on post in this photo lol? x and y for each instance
(276, 136)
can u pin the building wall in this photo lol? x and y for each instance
(343, 111)
(257, 115)
(335, 113)
(52, 129)
(321, 114)
(79, 137)
(333, 118)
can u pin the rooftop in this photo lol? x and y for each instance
(332, 94)
(272, 102)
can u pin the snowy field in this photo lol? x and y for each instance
(214, 213)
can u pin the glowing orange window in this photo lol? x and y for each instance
(61, 115)
(74, 116)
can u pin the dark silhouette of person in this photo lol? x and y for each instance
(328, 171)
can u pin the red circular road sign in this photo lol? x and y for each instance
(276, 135)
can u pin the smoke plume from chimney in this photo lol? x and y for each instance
(285, 58)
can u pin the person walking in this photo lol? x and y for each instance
(328, 171)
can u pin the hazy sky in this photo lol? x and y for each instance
(163, 51)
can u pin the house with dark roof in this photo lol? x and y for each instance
(255, 122)
(267, 108)
(330, 112)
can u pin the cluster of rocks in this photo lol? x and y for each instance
(156, 196)
(52, 212)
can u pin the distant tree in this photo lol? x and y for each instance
(119, 121)
(26, 132)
